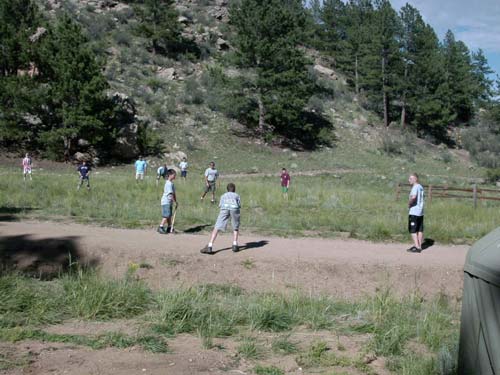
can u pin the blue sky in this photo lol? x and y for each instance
(476, 23)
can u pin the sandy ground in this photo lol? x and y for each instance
(341, 268)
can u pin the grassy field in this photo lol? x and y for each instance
(262, 324)
(359, 205)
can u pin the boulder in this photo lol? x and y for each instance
(37, 35)
(174, 157)
(80, 156)
(83, 143)
(222, 45)
(325, 71)
(168, 74)
(184, 20)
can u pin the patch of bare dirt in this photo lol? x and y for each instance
(344, 268)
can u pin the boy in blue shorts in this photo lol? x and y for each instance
(230, 205)
(84, 174)
(167, 201)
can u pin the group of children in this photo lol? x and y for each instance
(230, 202)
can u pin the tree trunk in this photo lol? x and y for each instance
(403, 99)
(356, 76)
(384, 91)
(262, 116)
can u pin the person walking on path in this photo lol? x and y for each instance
(161, 172)
(285, 182)
(416, 214)
(211, 176)
(168, 199)
(27, 166)
(84, 174)
(230, 205)
(141, 167)
(183, 165)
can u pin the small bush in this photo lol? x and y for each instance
(392, 145)
(493, 175)
(250, 350)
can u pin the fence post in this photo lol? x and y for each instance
(430, 193)
(474, 195)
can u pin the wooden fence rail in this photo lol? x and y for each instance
(437, 191)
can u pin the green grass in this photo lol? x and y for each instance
(268, 370)
(212, 310)
(249, 349)
(359, 205)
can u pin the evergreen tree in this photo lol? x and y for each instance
(381, 64)
(18, 20)
(422, 82)
(268, 34)
(459, 78)
(76, 105)
(333, 28)
(483, 84)
(359, 22)
(158, 23)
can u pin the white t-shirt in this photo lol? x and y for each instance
(183, 165)
(211, 174)
(168, 192)
(418, 206)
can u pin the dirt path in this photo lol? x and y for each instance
(342, 268)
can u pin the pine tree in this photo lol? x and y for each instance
(381, 63)
(18, 20)
(481, 71)
(268, 34)
(76, 105)
(459, 78)
(359, 21)
(158, 23)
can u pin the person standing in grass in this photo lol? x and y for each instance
(416, 214)
(230, 205)
(161, 172)
(141, 167)
(84, 175)
(285, 182)
(27, 165)
(167, 201)
(211, 175)
(183, 165)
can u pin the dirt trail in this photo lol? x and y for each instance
(342, 268)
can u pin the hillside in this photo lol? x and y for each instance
(174, 96)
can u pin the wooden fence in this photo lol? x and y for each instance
(437, 191)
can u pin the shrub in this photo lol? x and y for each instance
(493, 175)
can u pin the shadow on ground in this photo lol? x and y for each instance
(45, 258)
(10, 213)
(247, 246)
(196, 229)
(428, 242)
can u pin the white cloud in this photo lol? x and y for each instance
(474, 22)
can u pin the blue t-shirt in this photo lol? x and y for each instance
(140, 166)
(84, 170)
(418, 206)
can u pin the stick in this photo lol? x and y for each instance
(173, 221)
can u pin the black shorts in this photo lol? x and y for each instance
(184, 173)
(415, 224)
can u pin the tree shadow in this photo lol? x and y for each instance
(428, 242)
(196, 229)
(10, 213)
(45, 258)
(247, 246)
